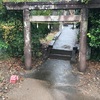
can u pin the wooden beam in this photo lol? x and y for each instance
(51, 5)
(43, 5)
(68, 18)
(83, 40)
(27, 39)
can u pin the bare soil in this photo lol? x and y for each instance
(90, 80)
(12, 66)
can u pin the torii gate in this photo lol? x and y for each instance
(83, 19)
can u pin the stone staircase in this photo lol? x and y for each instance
(60, 54)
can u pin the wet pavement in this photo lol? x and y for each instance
(67, 39)
(58, 73)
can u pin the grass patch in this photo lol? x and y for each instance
(48, 38)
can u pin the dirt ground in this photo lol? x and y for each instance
(12, 66)
(89, 81)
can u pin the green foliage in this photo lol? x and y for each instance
(94, 28)
(41, 12)
(11, 32)
(85, 1)
(94, 33)
(37, 34)
(3, 45)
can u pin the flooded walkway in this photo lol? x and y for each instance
(67, 39)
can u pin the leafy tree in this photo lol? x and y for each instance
(94, 33)
(11, 32)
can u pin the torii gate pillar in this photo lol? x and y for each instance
(83, 40)
(27, 39)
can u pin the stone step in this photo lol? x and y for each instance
(59, 56)
(61, 52)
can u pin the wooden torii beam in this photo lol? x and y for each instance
(68, 18)
(51, 5)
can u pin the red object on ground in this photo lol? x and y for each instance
(14, 79)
